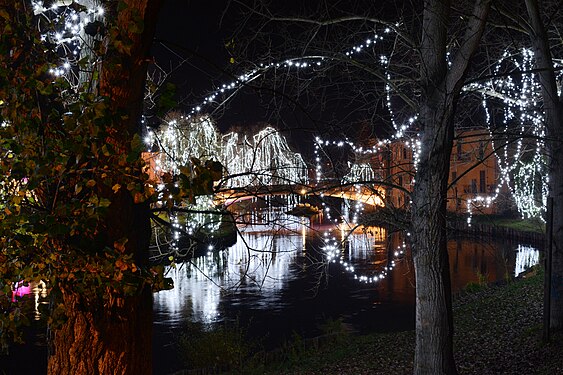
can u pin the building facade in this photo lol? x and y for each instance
(474, 177)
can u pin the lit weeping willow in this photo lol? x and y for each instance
(359, 172)
(179, 140)
(262, 159)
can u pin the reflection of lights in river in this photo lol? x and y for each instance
(303, 234)
(39, 291)
(259, 263)
(526, 257)
(363, 241)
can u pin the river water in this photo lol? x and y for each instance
(288, 276)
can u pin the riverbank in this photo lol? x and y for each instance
(498, 331)
(492, 226)
(529, 230)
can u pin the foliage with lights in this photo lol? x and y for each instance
(61, 164)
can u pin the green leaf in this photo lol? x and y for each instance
(104, 202)
(121, 6)
(167, 99)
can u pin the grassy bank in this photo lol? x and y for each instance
(524, 225)
(498, 331)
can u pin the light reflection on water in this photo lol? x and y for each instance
(36, 289)
(257, 269)
(276, 280)
(259, 263)
(267, 272)
(267, 254)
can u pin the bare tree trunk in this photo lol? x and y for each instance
(434, 324)
(114, 336)
(553, 109)
(440, 89)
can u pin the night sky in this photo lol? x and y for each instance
(192, 30)
(197, 32)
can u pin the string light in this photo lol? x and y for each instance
(334, 255)
(523, 168)
(72, 30)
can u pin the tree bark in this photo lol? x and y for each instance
(114, 336)
(434, 324)
(553, 110)
(95, 341)
(441, 87)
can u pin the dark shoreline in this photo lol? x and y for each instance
(495, 231)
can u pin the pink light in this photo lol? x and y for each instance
(20, 290)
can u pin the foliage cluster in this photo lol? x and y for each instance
(61, 171)
(72, 180)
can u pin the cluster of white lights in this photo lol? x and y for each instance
(264, 158)
(224, 92)
(333, 252)
(357, 170)
(180, 139)
(360, 172)
(526, 257)
(201, 222)
(523, 167)
(64, 26)
(525, 175)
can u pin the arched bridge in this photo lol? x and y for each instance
(371, 195)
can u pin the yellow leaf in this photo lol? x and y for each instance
(91, 183)
(116, 188)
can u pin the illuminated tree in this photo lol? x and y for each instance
(553, 109)
(525, 83)
(423, 76)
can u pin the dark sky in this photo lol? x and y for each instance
(194, 33)
(191, 31)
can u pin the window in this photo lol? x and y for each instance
(474, 186)
(482, 182)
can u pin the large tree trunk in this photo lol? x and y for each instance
(114, 336)
(553, 109)
(440, 89)
(105, 340)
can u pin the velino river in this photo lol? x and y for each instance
(288, 276)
